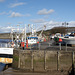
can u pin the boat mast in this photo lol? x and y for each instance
(32, 30)
(12, 35)
(25, 33)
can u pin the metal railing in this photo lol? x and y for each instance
(5, 45)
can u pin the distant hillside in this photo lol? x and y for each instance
(54, 30)
(61, 29)
(5, 36)
(8, 35)
(45, 32)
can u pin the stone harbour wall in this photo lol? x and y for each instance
(41, 60)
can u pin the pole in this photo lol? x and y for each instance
(73, 58)
(39, 46)
(60, 45)
(19, 60)
(66, 46)
(73, 63)
(25, 35)
(44, 60)
(12, 37)
(49, 44)
(57, 61)
(12, 34)
(32, 61)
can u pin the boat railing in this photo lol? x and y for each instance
(5, 45)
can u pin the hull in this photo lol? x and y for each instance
(69, 40)
(6, 55)
(6, 60)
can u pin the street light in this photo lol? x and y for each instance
(66, 25)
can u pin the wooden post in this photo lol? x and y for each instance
(60, 45)
(49, 44)
(72, 58)
(30, 46)
(19, 60)
(73, 63)
(57, 61)
(39, 46)
(66, 46)
(32, 61)
(44, 60)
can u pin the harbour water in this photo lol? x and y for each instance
(4, 42)
(2, 66)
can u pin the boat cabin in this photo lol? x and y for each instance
(32, 40)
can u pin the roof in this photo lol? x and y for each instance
(32, 37)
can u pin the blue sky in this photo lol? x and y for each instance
(37, 12)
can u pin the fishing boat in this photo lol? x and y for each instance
(67, 39)
(32, 38)
(70, 39)
(7, 46)
(58, 38)
(6, 53)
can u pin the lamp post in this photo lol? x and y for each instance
(66, 25)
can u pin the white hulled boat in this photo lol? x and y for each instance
(70, 39)
(6, 53)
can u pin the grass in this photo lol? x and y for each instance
(16, 58)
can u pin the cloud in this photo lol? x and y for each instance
(2, 13)
(40, 25)
(2, 0)
(45, 12)
(46, 17)
(16, 4)
(5, 13)
(5, 29)
(37, 20)
(14, 14)
(51, 24)
(71, 24)
(27, 15)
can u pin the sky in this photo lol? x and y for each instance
(37, 12)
